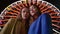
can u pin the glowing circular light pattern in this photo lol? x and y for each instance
(44, 6)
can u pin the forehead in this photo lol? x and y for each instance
(32, 7)
(25, 9)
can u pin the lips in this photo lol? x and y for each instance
(33, 11)
(25, 16)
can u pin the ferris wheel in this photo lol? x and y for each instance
(45, 7)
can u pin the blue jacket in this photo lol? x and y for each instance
(42, 25)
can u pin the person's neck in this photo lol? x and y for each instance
(35, 16)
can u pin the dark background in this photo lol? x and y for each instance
(5, 3)
(55, 2)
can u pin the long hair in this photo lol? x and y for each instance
(38, 13)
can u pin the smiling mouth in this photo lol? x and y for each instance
(26, 16)
(33, 11)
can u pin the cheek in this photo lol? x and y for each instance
(30, 12)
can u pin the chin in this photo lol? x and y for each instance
(24, 18)
(32, 15)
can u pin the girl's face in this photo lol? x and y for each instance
(33, 10)
(25, 13)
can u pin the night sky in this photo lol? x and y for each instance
(5, 3)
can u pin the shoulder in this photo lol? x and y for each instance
(45, 15)
(12, 20)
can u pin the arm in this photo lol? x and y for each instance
(46, 24)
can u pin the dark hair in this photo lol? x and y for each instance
(35, 6)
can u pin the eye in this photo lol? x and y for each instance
(23, 11)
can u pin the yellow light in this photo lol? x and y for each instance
(23, 0)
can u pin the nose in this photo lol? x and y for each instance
(32, 11)
(25, 13)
